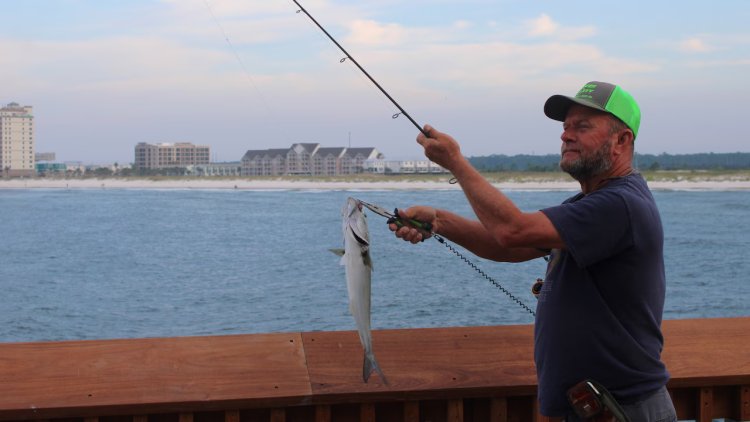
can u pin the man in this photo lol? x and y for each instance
(600, 308)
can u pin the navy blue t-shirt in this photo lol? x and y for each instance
(600, 309)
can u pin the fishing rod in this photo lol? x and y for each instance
(349, 56)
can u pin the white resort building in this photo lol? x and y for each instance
(308, 159)
(16, 141)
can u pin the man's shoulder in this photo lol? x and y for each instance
(632, 185)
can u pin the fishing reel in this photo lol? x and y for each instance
(536, 288)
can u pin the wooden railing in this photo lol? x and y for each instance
(443, 374)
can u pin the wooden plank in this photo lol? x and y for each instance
(706, 352)
(322, 413)
(185, 417)
(140, 418)
(685, 402)
(232, 416)
(744, 404)
(499, 409)
(455, 410)
(278, 415)
(141, 376)
(411, 411)
(706, 403)
(367, 412)
(424, 363)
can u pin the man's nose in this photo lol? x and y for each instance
(566, 136)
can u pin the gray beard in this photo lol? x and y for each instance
(585, 168)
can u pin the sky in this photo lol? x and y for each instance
(237, 75)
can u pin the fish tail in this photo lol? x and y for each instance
(370, 365)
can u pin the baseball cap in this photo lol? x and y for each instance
(601, 96)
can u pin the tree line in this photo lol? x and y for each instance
(549, 162)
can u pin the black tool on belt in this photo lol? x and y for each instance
(592, 402)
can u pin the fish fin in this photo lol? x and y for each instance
(370, 365)
(366, 259)
(339, 252)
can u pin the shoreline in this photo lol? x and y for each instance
(301, 184)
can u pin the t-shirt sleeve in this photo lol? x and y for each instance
(594, 227)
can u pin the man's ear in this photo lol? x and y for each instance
(626, 136)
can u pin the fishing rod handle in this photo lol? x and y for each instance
(399, 221)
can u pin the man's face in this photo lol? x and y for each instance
(586, 143)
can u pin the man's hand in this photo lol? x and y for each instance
(410, 233)
(440, 148)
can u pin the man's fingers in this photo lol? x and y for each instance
(408, 234)
(426, 135)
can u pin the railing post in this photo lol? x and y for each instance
(232, 416)
(705, 404)
(322, 413)
(456, 410)
(499, 409)
(278, 415)
(411, 411)
(367, 412)
(745, 403)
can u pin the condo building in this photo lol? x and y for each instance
(16, 141)
(308, 159)
(166, 155)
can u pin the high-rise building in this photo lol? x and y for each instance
(16, 140)
(158, 156)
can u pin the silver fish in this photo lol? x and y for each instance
(358, 265)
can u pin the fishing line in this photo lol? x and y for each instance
(349, 57)
(234, 51)
(483, 274)
(399, 221)
(269, 110)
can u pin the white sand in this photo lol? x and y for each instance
(319, 185)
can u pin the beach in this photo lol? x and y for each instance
(367, 184)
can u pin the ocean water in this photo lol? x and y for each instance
(96, 264)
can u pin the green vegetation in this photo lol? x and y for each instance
(549, 162)
(496, 168)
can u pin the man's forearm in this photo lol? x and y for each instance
(497, 213)
(473, 236)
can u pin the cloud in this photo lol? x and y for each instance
(232, 8)
(545, 26)
(542, 26)
(695, 45)
(373, 33)
(462, 24)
